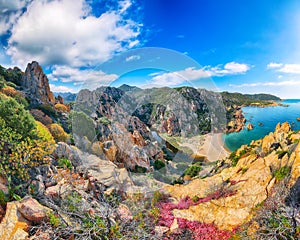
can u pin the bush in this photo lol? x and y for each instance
(2, 82)
(58, 132)
(16, 117)
(9, 91)
(19, 154)
(60, 107)
(64, 163)
(158, 164)
(11, 84)
(234, 157)
(104, 120)
(282, 172)
(43, 133)
(24, 143)
(193, 170)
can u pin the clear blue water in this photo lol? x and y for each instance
(269, 116)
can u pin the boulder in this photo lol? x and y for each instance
(13, 226)
(124, 213)
(267, 142)
(32, 210)
(64, 150)
(110, 150)
(106, 173)
(250, 126)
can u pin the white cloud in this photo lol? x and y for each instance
(190, 74)
(89, 78)
(133, 58)
(286, 83)
(290, 68)
(175, 78)
(10, 11)
(274, 65)
(64, 32)
(285, 68)
(229, 69)
(124, 5)
(55, 88)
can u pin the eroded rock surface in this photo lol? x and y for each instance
(251, 181)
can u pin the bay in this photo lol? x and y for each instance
(264, 121)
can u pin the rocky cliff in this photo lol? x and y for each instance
(230, 196)
(36, 85)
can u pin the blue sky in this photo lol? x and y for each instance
(238, 46)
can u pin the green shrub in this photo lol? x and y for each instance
(282, 172)
(64, 163)
(158, 164)
(139, 169)
(16, 117)
(193, 170)
(58, 132)
(3, 198)
(104, 120)
(54, 219)
(235, 158)
(195, 199)
(11, 84)
(23, 142)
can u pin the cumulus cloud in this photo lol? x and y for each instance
(230, 68)
(55, 88)
(190, 74)
(175, 78)
(10, 11)
(290, 68)
(65, 32)
(89, 78)
(285, 68)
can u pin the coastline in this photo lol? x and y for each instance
(210, 146)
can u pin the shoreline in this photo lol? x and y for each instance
(211, 146)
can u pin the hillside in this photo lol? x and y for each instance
(115, 166)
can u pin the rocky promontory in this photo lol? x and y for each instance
(36, 85)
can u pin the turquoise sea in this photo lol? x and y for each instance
(266, 117)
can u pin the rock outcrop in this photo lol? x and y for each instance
(250, 126)
(36, 85)
(245, 185)
(14, 226)
(238, 121)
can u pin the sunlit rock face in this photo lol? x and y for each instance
(36, 85)
(249, 182)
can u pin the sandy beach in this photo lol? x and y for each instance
(210, 146)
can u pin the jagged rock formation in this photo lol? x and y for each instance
(238, 121)
(245, 184)
(180, 112)
(36, 85)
